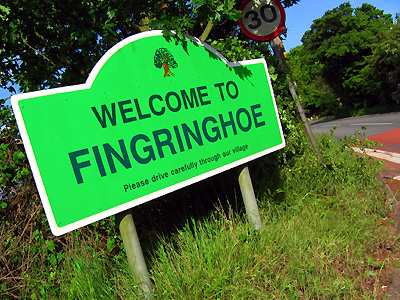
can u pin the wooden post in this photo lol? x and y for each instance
(249, 198)
(134, 252)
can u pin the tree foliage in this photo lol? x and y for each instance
(339, 64)
(51, 43)
(384, 66)
(315, 93)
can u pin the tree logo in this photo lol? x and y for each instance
(164, 58)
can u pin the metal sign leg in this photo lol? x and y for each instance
(134, 252)
(249, 198)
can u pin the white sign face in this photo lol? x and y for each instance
(262, 20)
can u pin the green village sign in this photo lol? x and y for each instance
(153, 116)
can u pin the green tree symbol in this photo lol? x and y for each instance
(164, 58)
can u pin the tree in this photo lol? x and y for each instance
(341, 42)
(383, 70)
(164, 58)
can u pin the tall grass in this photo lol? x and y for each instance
(307, 253)
(317, 242)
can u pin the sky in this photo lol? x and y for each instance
(300, 17)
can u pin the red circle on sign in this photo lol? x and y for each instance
(268, 36)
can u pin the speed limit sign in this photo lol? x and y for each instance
(262, 20)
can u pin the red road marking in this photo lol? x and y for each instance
(390, 139)
(391, 143)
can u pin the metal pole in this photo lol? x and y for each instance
(303, 117)
(279, 50)
(206, 31)
(249, 198)
(134, 252)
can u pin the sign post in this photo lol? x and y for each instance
(279, 50)
(134, 252)
(249, 198)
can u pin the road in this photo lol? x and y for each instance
(375, 124)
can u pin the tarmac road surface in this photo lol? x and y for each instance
(374, 124)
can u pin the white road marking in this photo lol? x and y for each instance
(389, 156)
(371, 124)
